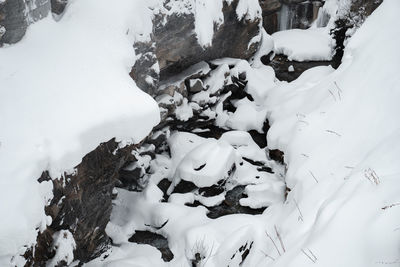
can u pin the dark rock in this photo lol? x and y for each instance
(281, 64)
(277, 155)
(155, 240)
(82, 203)
(144, 72)
(270, 10)
(16, 15)
(231, 205)
(177, 46)
(359, 10)
(195, 86)
(184, 187)
(58, 6)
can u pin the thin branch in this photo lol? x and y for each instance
(333, 132)
(313, 176)
(308, 256)
(332, 94)
(297, 206)
(280, 239)
(273, 242)
(268, 256)
(391, 206)
(339, 90)
(315, 257)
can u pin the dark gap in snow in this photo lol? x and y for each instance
(155, 240)
(231, 205)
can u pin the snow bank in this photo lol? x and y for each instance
(340, 133)
(64, 89)
(304, 45)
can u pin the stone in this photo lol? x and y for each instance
(195, 86)
(82, 204)
(175, 47)
(16, 15)
(58, 6)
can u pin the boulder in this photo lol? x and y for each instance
(82, 204)
(176, 47)
(16, 15)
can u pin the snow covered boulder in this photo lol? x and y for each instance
(188, 32)
(16, 15)
(207, 164)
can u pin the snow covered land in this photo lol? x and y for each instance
(237, 169)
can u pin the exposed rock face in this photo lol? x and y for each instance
(16, 15)
(286, 70)
(281, 15)
(358, 11)
(82, 204)
(270, 9)
(175, 45)
(58, 6)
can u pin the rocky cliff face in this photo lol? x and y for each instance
(16, 15)
(281, 15)
(174, 45)
(82, 204)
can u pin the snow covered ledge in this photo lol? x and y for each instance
(64, 90)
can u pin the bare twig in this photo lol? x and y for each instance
(313, 176)
(334, 98)
(308, 256)
(280, 239)
(371, 175)
(315, 257)
(391, 206)
(297, 206)
(333, 132)
(339, 90)
(268, 256)
(273, 242)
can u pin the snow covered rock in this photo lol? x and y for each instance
(16, 15)
(188, 32)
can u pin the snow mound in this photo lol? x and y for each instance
(340, 133)
(207, 164)
(304, 45)
(65, 89)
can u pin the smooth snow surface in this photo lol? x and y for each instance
(304, 45)
(340, 133)
(64, 89)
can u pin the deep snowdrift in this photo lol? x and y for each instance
(340, 132)
(65, 89)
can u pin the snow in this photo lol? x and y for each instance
(207, 164)
(208, 15)
(340, 134)
(64, 245)
(339, 130)
(304, 45)
(65, 89)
